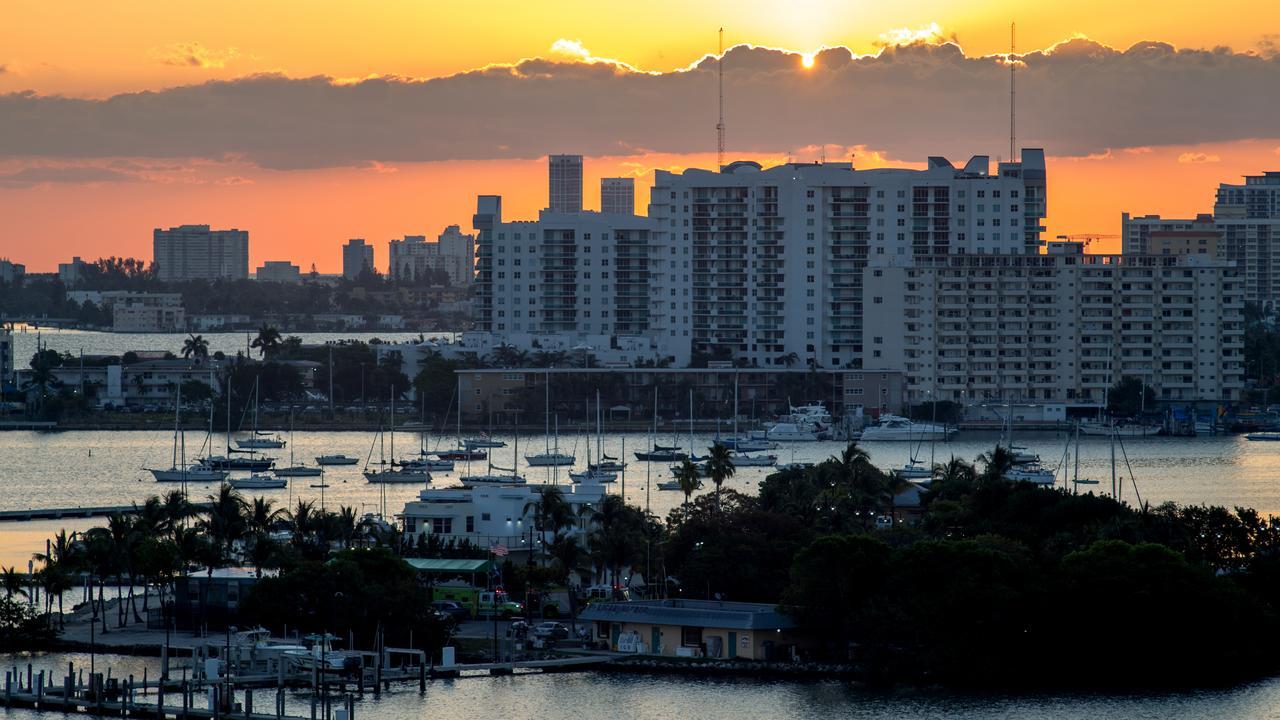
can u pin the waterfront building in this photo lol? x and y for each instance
(281, 271)
(564, 183)
(453, 253)
(147, 312)
(1244, 228)
(357, 258)
(11, 272)
(767, 265)
(72, 273)
(1061, 327)
(680, 627)
(618, 195)
(195, 252)
(583, 277)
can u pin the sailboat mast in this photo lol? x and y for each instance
(599, 432)
(392, 392)
(546, 411)
(176, 402)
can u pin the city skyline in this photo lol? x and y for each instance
(302, 197)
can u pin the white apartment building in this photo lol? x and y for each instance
(357, 258)
(194, 252)
(564, 183)
(1246, 222)
(618, 195)
(148, 312)
(582, 277)
(453, 253)
(281, 271)
(493, 515)
(1057, 328)
(768, 264)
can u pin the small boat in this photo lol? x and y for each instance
(914, 470)
(299, 470)
(662, 454)
(336, 460)
(322, 657)
(251, 463)
(593, 476)
(461, 455)
(701, 468)
(669, 485)
(1128, 429)
(549, 459)
(894, 427)
(792, 432)
(607, 464)
(397, 476)
(197, 472)
(1033, 474)
(754, 460)
(482, 442)
(258, 481)
(1266, 435)
(426, 463)
(260, 443)
(487, 480)
(748, 444)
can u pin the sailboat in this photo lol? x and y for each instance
(388, 472)
(548, 457)
(296, 469)
(915, 469)
(178, 470)
(230, 461)
(260, 440)
(426, 460)
(504, 476)
(660, 453)
(594, 474)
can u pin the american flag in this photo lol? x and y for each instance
(498, 549)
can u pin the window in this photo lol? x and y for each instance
(484, 516)
(442, 526)
(691, 636)
(471, 523)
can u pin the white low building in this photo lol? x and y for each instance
(488, 516)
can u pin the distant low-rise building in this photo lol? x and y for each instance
(72, 273)
(695, 628)
(453, 253)
(281, 271)
(148, 312)
(11, 271)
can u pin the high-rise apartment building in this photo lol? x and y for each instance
(564, 175)
(453, 253)
(194, 252)
(1244, 227)
(768, 265)
(1062, 327)
(357, 258)
(618, 196)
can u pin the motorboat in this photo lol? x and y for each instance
(793, 432)
(895, 427)
(1020, 456)
(482, 442)
(322, 657)
(549, 459)
(336, 460)
(1128, 429)
(749, 444)
(754, 460)
(1263, 436)
(258, 481)
(815, 413)
(593, 476)
(299, 470)
(487, 480)
(397, 476)
(1032, 474)
(913, 470)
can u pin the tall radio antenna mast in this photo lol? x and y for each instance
(720, 124)
(1013, 93)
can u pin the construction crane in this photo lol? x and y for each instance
(1087, 238)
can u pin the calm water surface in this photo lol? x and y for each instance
(595, 695)
(105, 343)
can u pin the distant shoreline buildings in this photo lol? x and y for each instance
(195, 252)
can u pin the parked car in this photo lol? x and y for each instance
(551, 630)
(451, 609)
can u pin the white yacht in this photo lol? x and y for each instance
(1119, 429)
(755, 460)
(1032, 474)
(474, 480)
(258, 481)
(549, 459)
(913, 470)
(266, 441)
(894, 427)
(336, 460)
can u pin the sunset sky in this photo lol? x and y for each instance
(308, 123)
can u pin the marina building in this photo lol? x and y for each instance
(564, 183)
(1061, 327)
(489, 515)
(357, 258)
(195, 252)
(767, 264)
(680, 627)
(618, 195)
(1244, 229)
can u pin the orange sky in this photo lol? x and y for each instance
(96, 50)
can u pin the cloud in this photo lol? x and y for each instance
(194, 55)
(69, 174)
(235, 180)
(1195, 158)
(909, 100)
(1141, 150)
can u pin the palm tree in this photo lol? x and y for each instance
(263, 515)
(997, 463)
(12, 583)
(268, 340)
(719, 466)
(790, 359)
(225, 521)
(195, 345)
(551, 513)
(617, 539)
(690, 480)
(177, 509)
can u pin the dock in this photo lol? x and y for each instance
(71, 512)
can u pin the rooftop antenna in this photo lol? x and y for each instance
(720, 124)
(1013, 93)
